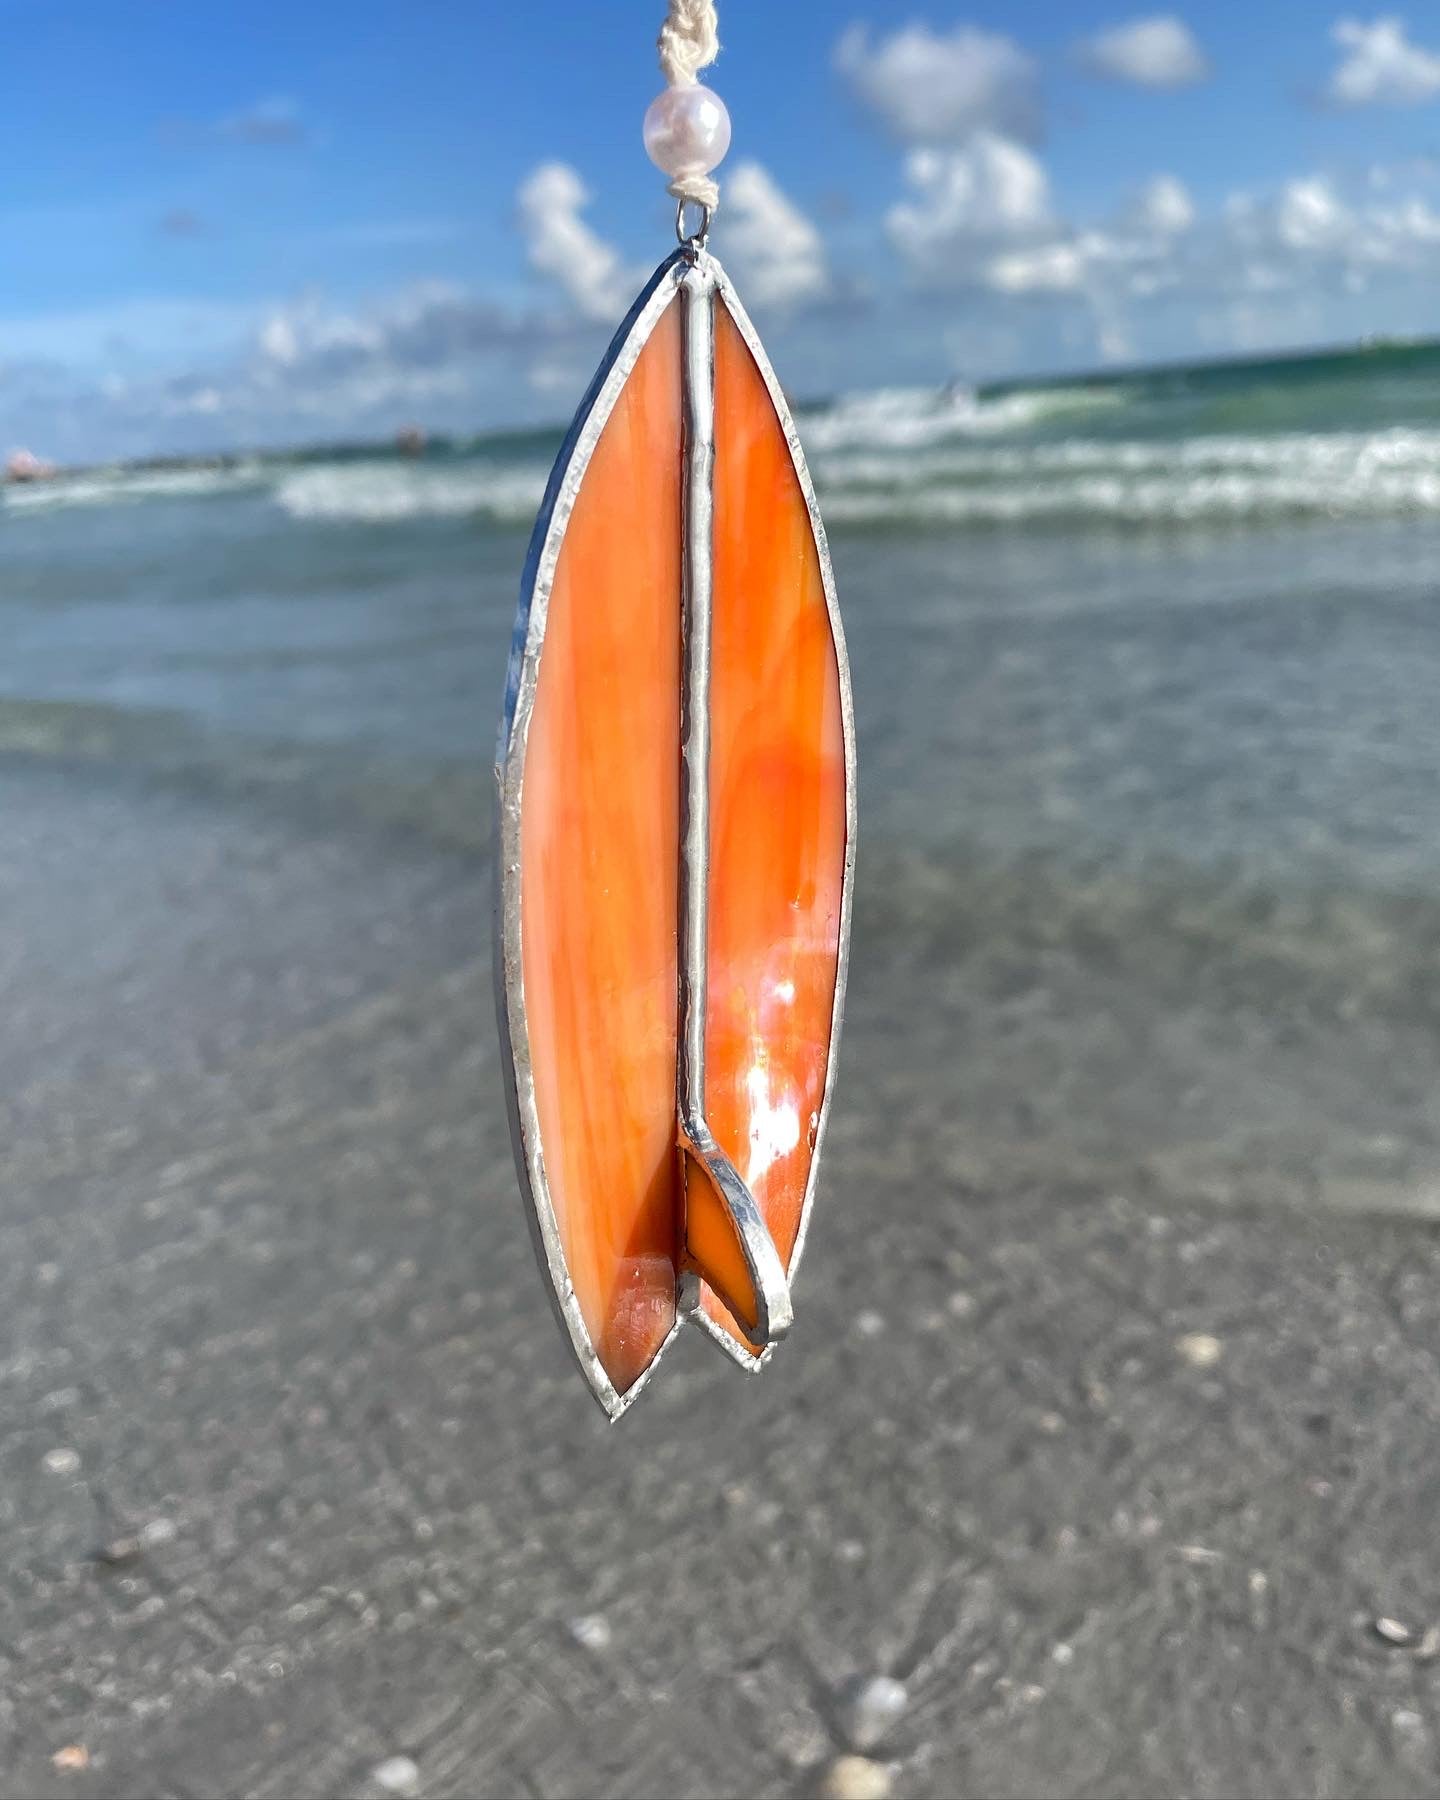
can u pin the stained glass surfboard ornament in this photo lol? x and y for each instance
(676, 773)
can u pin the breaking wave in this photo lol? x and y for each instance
(1356, 436)
(902, 418)
(119, 485)
(386, 493)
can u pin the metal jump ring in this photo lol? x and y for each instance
(698, 239)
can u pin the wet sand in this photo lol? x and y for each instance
(1110, 1427)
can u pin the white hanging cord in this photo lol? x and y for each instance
(689, 42)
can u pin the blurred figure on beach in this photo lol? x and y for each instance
(24, 465)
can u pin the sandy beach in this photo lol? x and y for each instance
(1114, 1468)
(1107, 1427)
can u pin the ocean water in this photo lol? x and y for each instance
(1146, 675)
(1187, 615)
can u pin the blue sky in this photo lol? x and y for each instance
(227, 224)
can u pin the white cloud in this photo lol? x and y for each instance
(308, 367)
(980, 222)
(562, 247)
(1057, 268)
(777, 252)
(1385, 177)
(983, 219)
(292, 372)
(989, 190)
(308, 334)
(560, 377)
(979, 218)
(1163, 205)
(424, 347)
(1313, 234)
(1300, 251)
(1381, 66)
(1414, 222)
(1309, 215)
(1325, 254)
(933, 88)
(1155, 52)
(279, 341)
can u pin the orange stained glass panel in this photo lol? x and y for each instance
(777, 822)
(599, 859)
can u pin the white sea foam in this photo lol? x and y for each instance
(1192, 498)
(119, 485)
(899, 418)
(379, 492)
(1314, 453)
(898, 456)
(382, 493)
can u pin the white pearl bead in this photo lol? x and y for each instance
(687, 131)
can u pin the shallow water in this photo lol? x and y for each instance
(1150, 824)
(1261, 697)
